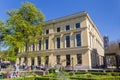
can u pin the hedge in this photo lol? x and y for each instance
(31, 78)
(101, 73)
(99, 78)
(72, 78)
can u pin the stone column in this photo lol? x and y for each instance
(22, 61)
(63, 60)
(72, 40)
(85, 38)
(52, 60)
(51, 42)
(43, 60)
(17, 61)
(29, 62)
(62, 45)
(35, 61)
(86, 59)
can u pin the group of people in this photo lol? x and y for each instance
(16, 71)
(3, 65)
(12, 75)
(17, 67)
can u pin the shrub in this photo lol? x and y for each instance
(50, 75)
(98, 78)
(52, 70)
(81, 78)
(88, 75)
(80, 72)
(98, 73)
(109, 78)
(115, 74)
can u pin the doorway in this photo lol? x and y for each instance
(67, 60)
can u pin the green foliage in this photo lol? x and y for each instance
(71, 78)
(32, 78)
(8, 55)
(24, 26)
(52, 70)
(100, 73)
(96, 78)
(53, 76)
(2, 30)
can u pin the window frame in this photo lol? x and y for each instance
(76, 42)
(57, 29)
(33, 47)
(66, 27)
(58, 43)
(79, 58)
(47, 31)
(46, 46)
(58, 59)
(76, 25)
(67, 41)
(40, 44)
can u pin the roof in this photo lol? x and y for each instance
(78, 14)
(75, 15)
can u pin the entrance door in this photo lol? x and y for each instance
(39, 60)
(47, 60)
(32, 61)
(67, 60)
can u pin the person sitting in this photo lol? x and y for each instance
(8, 75)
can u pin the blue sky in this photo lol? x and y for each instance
(104, 13)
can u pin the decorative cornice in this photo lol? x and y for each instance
(79, 14)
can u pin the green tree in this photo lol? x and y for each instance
(23, 28)
(2, 33)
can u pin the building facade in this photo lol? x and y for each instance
(73, 40)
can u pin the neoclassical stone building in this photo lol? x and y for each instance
(73, 40)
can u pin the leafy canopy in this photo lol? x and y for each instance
(24, 26)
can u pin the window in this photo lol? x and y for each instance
(78, 40)
(58, 59)
(39, 60)
(47, 31)
(77, 25)
(67, 27)
(47, 60)
(67, 39)
(33, 47)
(39, 44)
(32, 60)
(58, 29)
(46, 43)
(79, 59)
(68, 60)
(58, 42)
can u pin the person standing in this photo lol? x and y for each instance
(17, 68)
(24, 65)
